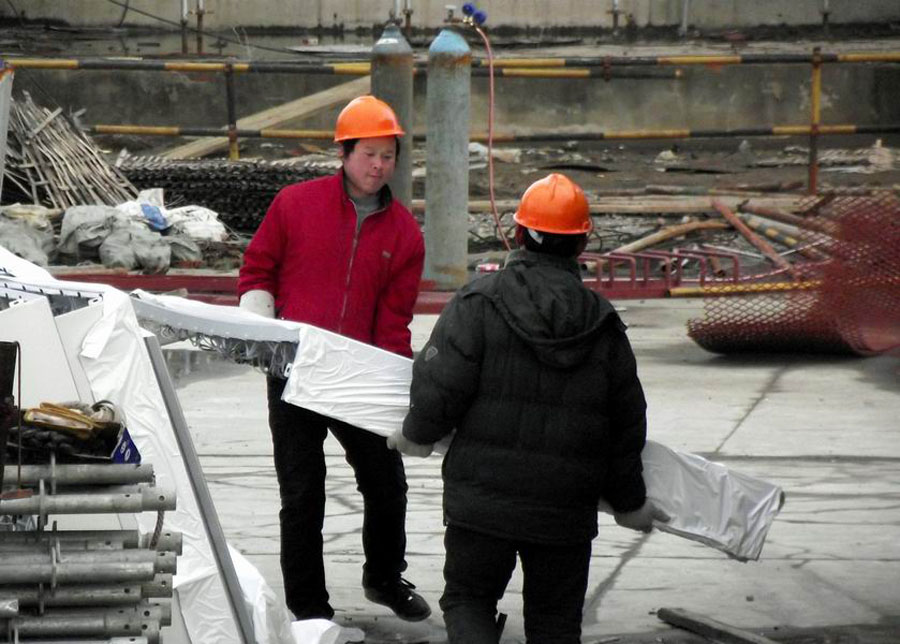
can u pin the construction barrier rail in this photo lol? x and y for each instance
(500, 137)
(355, 68)
(587, 67)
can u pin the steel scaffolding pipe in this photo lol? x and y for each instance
(9, 607)
(164, 562)
(78, 595)
(75, 626)
(447, 180)
(106, 474)
(55, 573)
(91, 539)
(392, 82)
(161, 613)
(157, 588)
(149, 499)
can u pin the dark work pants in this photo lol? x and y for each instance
(477, 569)
(297, 436)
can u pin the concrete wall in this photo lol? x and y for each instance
(731, 97)
(225, 14)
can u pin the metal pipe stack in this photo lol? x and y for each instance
(108, 586)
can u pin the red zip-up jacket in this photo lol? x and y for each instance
(308, 254)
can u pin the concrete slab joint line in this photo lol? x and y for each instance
(769, 386)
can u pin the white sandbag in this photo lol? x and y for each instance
(84, 228)
(197, 222)
(26, 241)
(134, 246)
(369, 388)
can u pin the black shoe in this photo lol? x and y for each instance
(399, 597)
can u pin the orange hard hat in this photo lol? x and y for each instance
(555, 204)
(366, 117)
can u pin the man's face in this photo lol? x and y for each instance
(370, 165)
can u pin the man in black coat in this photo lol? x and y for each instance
(533, 374)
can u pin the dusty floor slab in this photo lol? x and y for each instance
(824, 429)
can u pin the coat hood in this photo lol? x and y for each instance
(542, 298)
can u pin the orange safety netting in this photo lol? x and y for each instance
(848, 303)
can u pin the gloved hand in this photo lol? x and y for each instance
(403, 445)
(260, 302)
(642, 518)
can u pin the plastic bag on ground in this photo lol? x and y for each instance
(26, 241)
(149, 214)
(323, 631)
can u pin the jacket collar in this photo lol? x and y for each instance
(531, 258)
(385, 196)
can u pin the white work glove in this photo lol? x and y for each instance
(403, 445)
(260, 302)
(641, 519)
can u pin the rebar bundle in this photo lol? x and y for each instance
(849, 303)
(52, 163)
(84, 585)
(238, 191)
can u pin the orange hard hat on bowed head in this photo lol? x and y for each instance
(366, 117)
(555, 204)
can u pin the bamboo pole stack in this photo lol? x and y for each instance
(51, 163)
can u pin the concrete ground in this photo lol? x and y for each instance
(823, 428)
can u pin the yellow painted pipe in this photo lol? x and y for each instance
(356, 69)
(874, 57)
(42, 63)
(297, 134)
(743, 289)
(648, 134)
(159, 130)
(569, 72)
(194, 67)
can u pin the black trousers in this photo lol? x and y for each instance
(297, 436)
(477, 570)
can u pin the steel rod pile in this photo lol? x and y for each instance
(84, 585)
(49, 162)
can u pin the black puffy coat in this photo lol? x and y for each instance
(535, 373)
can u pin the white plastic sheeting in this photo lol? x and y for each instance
(346, 379)
(115, 360)
(369, 388)
(709, 503)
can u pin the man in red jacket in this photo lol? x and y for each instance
(338, 252)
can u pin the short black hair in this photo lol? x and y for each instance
(350, 144)
(552, 243)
